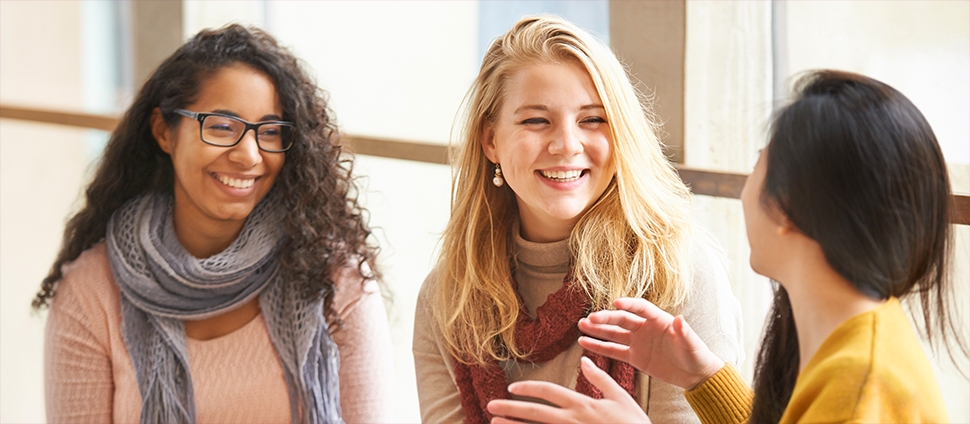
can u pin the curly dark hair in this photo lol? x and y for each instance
(325, 224)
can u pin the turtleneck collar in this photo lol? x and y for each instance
(548, 257)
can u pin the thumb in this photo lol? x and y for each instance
(687, 339)
(601, 380)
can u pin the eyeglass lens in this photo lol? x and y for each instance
(225, 131)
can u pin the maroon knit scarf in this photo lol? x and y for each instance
(552, 332)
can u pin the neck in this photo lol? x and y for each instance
(203, 241)
(540, 231)
(821, 301)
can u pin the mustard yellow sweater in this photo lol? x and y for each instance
(871, 369)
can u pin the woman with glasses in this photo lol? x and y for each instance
(220, 269)
(847, 209)
(563, 201)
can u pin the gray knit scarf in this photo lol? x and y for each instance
(162, 285)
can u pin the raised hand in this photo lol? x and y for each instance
(616, 406)
(653, 341)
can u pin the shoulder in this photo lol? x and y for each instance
(852, 388)
(353, 288)
(423, 310)
(429, 286)
(427, 335)
(88, 282)
(87, 301)
(872, 368)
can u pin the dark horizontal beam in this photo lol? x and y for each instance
(396, 149)
(703, 182)
(73, 119)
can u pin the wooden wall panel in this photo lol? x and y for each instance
(649, 37)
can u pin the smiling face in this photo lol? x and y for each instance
(552, 140)
(216, 188)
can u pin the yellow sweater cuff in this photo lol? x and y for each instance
(723, 398)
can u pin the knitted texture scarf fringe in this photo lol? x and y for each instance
(162, 284)
(550, 333)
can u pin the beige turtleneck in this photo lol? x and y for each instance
(712, 310)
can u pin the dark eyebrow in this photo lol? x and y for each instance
(236, 115)
(588, 107)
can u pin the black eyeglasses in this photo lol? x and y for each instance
(226, 131)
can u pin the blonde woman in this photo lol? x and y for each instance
(562, 202)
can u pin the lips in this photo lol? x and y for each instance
(240, 183)
(562, 176)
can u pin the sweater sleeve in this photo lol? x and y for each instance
(78, 377)
(723, 398)
(438, 395)
(715, 315)
(364, 341)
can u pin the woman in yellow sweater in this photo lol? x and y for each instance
(847, 209)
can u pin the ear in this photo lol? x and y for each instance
(785, 226)
(161, 131)
(488, 142)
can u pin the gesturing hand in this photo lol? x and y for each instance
(616, 406)
(653, 341)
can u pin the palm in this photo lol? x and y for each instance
(651, 340)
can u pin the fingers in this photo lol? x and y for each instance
(608, 332)
(549, 392)
(686, 337)
(568, 405)
(640, 307)
(608, 349)
(505, 411)
(503, 420)
(682, 329)
(622, 319)
(602, 380)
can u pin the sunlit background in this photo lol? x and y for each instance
(399, 70)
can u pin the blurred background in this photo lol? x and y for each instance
(397, 71)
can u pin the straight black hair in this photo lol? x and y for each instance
(855, 166)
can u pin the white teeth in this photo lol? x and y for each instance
(562, 175)
(236, 182)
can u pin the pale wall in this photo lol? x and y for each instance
(727, 101)
(41, 169)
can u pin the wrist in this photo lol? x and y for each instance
(707, 371)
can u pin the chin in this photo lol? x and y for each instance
(236, 214)
(756, 267)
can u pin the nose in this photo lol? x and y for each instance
(567, 141)
(246, 152)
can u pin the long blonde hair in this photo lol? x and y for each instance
(634, 241)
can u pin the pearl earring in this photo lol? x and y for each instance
(498, 180)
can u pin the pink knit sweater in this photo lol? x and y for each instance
(237, 377)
